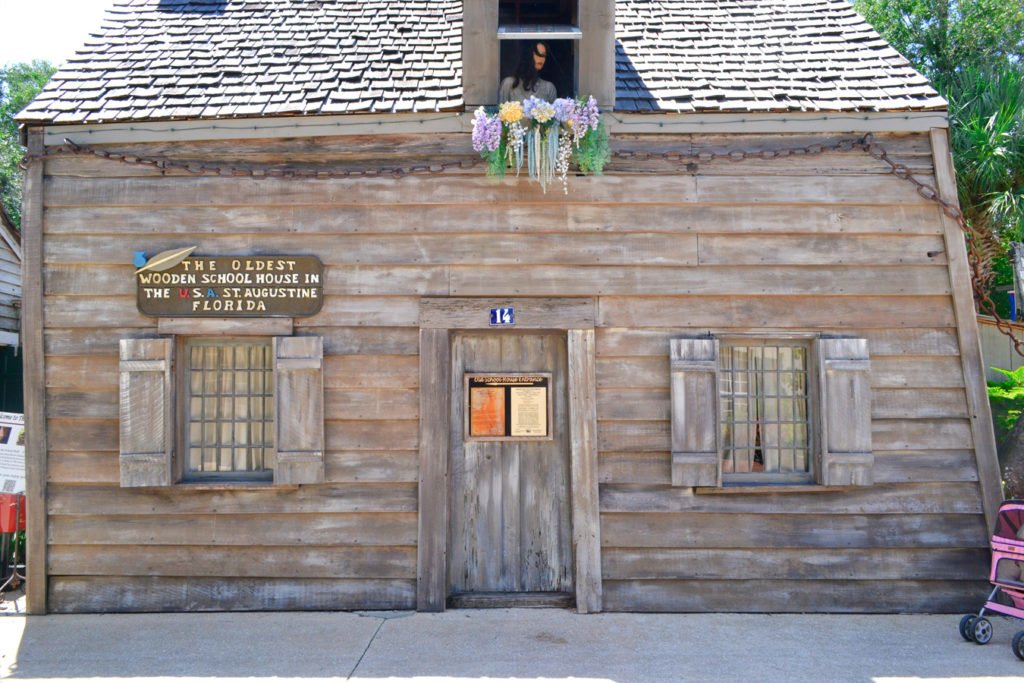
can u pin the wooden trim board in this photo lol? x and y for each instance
(34, 378)
(968, 335)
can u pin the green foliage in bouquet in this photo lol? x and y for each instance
(593, 152)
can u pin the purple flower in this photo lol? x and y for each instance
(565, 109)
(529, 104)
(486, 131)
(586, 117)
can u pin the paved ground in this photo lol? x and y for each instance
(500, 645)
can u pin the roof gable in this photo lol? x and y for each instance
(189, 59)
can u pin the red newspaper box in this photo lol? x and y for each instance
(12, 512)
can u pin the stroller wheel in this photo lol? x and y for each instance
(981, 629)
(1018, 645)
(966, 626)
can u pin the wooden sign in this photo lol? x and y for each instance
(231, 286)
(505, 407)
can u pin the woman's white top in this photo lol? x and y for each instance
(542, 89)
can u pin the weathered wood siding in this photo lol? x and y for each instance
(10, 282)
(826, 243)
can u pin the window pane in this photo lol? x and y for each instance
(763, 408)
(230, 405)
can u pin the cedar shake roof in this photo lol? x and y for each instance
(178, 59)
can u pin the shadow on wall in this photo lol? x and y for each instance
(194, 6)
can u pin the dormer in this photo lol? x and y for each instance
(580, 35)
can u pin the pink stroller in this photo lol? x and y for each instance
(1007, 577)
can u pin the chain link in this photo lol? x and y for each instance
(981, 245)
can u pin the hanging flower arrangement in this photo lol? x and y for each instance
(544, 136)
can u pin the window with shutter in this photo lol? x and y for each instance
(147, 410)
(250, 409)
(764, 410)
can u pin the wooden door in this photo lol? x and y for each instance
(511, 531)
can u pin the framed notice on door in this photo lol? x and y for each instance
(508, 406)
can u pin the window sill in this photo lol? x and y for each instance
(231, 485)
(762, 488)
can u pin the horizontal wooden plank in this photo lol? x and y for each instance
(371, 404)
(654, 281)
(549, 313)
(363, 311)
(82, 435)
(87, 467)
(946, 498)
(74, 311)
(887, 435)
(100, 404)
(374, 372)
(371, 466)
(654, 467)
(182, 594)
(893, 435)
(63, 191)
(617, 403)
(760, 312)
(671, 215)
(917, 372)
(82, 372)
(633, 373)
(381, 341)
(372, 435)
(721, 530)
(635, 436)
(936, 465)
(886, 372)
(770, 564)
(924, 341)
(217, 503)
(312, 562)
(884, 597)
(235, 530)
(634, 467)
(783, 189)
(918, 403)
(92, 341)
(812, 250)
(633, 404)
(406, 249)
(897, 145)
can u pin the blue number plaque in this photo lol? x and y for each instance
(503, 317)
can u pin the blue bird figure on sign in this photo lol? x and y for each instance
(139, 259)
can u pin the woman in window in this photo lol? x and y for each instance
(527, 81)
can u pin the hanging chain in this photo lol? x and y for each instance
(982, 246)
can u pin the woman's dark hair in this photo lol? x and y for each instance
(526, 75)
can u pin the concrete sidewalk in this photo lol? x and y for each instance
(520, 644)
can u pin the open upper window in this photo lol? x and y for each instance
(544, 34)
(578, 38)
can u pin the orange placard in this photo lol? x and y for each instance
(487, 411)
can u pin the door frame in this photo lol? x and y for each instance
(439, 317)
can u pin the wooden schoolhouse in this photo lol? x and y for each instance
(288, 346)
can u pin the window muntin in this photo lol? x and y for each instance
(230, 408)
(764, 421)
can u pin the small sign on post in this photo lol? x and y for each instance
(503, 317)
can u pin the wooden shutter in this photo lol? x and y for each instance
(147, 412)
(695, 459)
(299, 412)
(844, 371)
